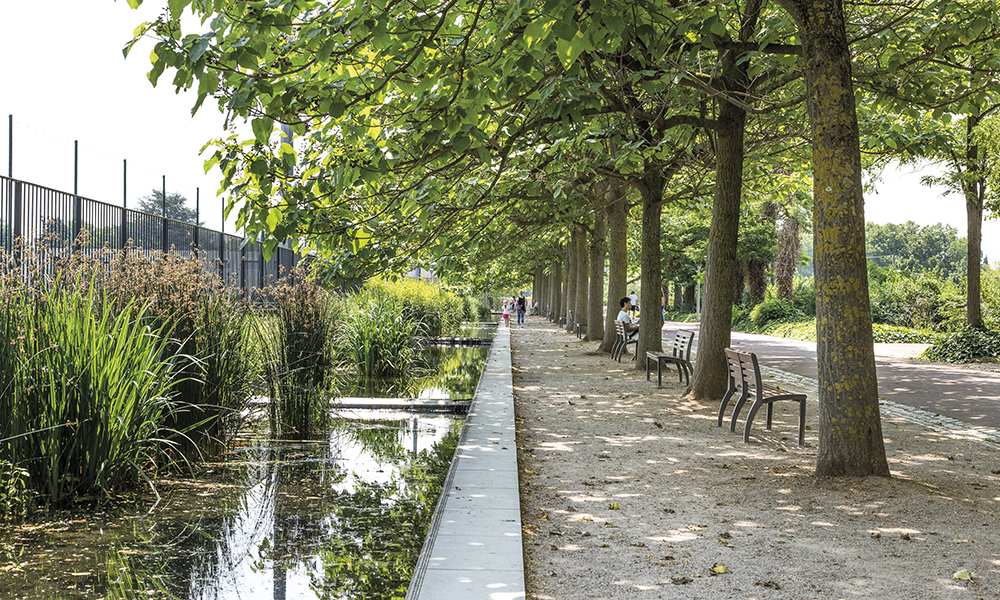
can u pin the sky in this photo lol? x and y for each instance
(64, 79)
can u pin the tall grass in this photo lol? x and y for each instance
(292, 335)
(210, 329)
(376, 337)
(86, 389)
(441, 312)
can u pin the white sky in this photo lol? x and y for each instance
(63, 78)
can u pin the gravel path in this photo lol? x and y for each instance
(629, 491)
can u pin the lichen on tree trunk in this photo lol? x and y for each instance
(850, 427)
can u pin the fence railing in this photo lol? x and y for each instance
(37, 214)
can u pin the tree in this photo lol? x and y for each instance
(175, 209)
(850, 427)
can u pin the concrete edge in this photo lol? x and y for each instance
(473, 548)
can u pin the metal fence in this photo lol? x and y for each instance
(40, 215)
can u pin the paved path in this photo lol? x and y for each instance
(962, 393)
(473, 549)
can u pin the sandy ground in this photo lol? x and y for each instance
(629, 491)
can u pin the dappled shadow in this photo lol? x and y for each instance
(631, 489)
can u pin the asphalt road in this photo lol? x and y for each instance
(967, 394)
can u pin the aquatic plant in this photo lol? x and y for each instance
(292, 334)
(86, 389)
(376, 337)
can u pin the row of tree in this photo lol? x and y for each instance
(479, 134)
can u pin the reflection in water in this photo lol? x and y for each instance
(335, 518)
(306, 527)
(441, 374)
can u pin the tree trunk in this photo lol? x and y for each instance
(538, 288)
(740, 278)
(711, 372)
(974, 219)
(850, 427)
(580, 308)
(571, 271)
(617, 265)
(678, 296)
(557, 284)
(757, 280)
(787, 262)
(595, 300)
(650, 329)
(690, 301)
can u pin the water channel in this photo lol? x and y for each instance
(341, 516)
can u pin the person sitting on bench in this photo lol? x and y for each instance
(630, 327)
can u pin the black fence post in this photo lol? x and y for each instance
(222, 256)
(243, 270)
(18, 207)
(165, 239)
(197, 214)
(124, 225)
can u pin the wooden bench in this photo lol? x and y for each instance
(680, 355)
(581, 329)
(622, 340)
(744, 375)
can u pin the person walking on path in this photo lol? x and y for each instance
(522, 305)
(634, 300)
(506, 313)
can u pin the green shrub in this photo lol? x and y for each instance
(376, 338)
(966, 345)
(804, 295)
(919, 301)
(441, 312)
(892, 334)
(772, 310)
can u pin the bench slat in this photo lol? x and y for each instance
(745, 377)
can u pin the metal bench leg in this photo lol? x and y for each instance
(750, 416)
(739, 406)
(659, 373)
(725, 400)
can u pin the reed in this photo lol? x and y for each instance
(376, 337)
(210, 326)
(293, 336)
(87, 388)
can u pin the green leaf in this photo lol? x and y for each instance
(273, 216)
(176, 7)
(262, 128)
(134, 4)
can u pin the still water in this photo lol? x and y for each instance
(337, 517)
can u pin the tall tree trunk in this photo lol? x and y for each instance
(757, 280)
(557, 285)
(678, 296)
(538, 289)
(711, 371)
(850, 426)
(650, 329)
(595, 300)
(974, 218)
(617, 264)
(580, 308)
(739, 277)
(571, 272)
(690, 301)
(788, 258)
